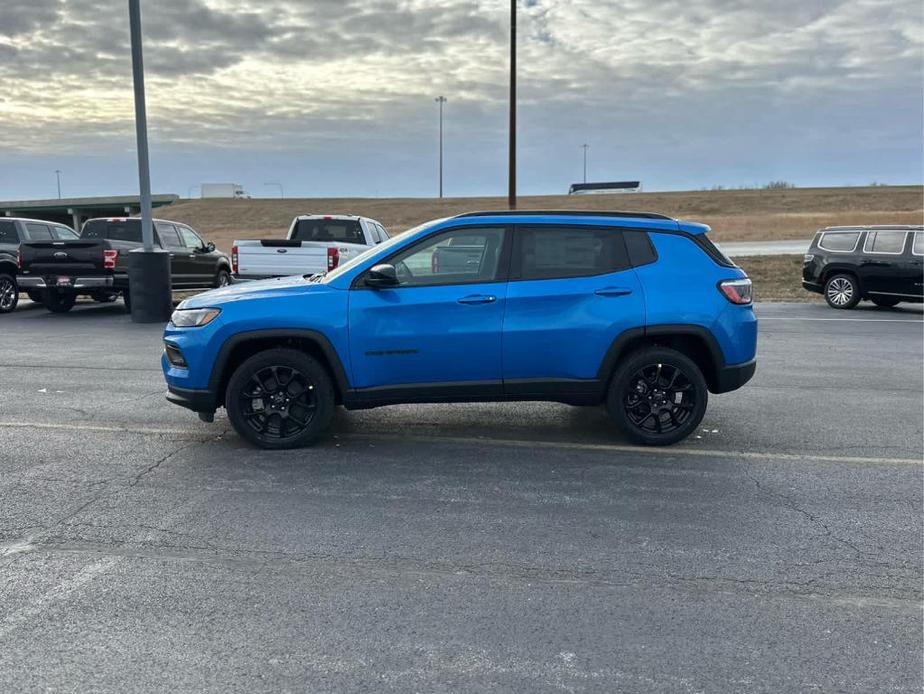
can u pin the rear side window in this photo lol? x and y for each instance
(8, 232)
(548, 252)
(918, 247)
(169, 238)
(839, 241)
(39, 232)
(64, 233)
(640, 249)
(115, 230)
(344, 230)
(892, 242)
(713, 251)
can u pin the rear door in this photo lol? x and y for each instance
(881, 264)
(571, 293)
(437, 331)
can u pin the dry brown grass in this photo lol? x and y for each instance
(776, 278)
(735, 215)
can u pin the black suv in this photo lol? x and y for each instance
(96, 264)
(879, 263)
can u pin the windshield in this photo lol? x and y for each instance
(382, 248)
(343, 230)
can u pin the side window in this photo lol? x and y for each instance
(383, 235)
(374, 232)
(640, 249)
(918, 247)
(455, 257)
(39, 232)
(548, 252)
(839, 241)
(169, 238)
(891, 242)
(190, 240)
(8, 233)
(64, 233)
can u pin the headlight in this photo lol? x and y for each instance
(194, 317)
(807, 258)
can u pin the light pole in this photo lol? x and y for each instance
(512, 167)
(149, 267)
(58, 175)
(282, 192)
(441, 100)
(585, 148)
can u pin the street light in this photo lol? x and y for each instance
(441, 100)
(58, 175)
(512, 167)
(585, 148)
(149, 267)
(282, 192)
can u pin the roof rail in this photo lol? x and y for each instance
(569, 213)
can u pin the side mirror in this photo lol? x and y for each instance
(382, 276)
(210, 247)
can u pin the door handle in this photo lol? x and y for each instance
(613, 291)
(478, 299)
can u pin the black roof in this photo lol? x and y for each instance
(566, 213)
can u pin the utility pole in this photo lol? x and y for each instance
(149, 267)
(585, 148)
(441, 100)
(282, 191)
(512, 168)
(58, 175)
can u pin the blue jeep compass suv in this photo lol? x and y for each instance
(636, 311)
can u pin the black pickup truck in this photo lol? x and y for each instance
(13, 231)
(96, 264)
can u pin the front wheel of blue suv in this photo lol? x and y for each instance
(280, 398)
(657, 396)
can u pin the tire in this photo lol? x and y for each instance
(657, 396)
(842, 291)
(885, 302)
(56, 302)
(35, 296)
(9, 293)
(280, 398)
(222, 278)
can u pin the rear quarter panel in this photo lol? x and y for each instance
(681, 287)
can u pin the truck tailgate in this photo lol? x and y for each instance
(279, 258)
(62, 257)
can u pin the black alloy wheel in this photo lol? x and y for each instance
(658, 396)
(9, 293)
(280, 398)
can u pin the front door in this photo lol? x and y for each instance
(439, 330)
(882, 261)
(201, 262)
(571, 293)
(180, 264)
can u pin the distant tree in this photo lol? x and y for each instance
(777, 185)
(877, 184)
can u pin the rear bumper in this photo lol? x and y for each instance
(106, 282)
(732, 377)
(813, 287)
(195, 400)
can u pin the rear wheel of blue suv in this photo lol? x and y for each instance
(638, 312)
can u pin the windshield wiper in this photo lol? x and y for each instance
(316, 277)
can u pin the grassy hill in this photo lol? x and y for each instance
(735, 215)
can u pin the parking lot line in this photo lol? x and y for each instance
(852, 320)
(516, 443)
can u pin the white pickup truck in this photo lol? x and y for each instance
(315, 243)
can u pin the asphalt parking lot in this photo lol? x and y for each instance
(519, 547)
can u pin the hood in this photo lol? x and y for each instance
(260, 289)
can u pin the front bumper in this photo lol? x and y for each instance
(26, 283)
(813, 287)
(195, 400)
(732, 377)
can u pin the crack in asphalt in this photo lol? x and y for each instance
(791, 504)
(161, 461)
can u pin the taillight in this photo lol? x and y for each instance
(333, 258)
(109, 258)
(234, 259)
(737, 291)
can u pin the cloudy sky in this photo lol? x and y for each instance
(336, 97)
